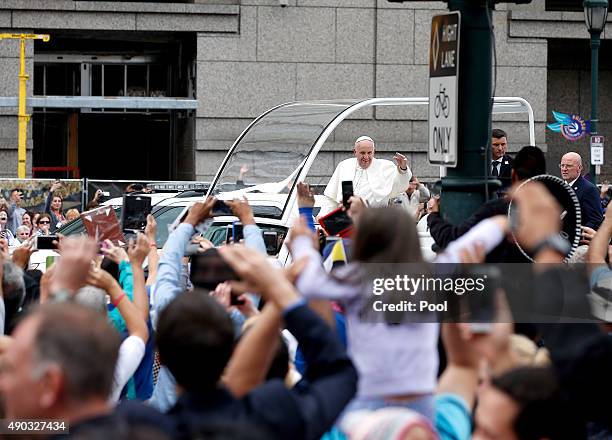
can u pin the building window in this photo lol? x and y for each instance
(564, 5)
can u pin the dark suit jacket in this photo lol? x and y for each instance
(304, 412)
(590, 205)
(505, 171)
(443, 232)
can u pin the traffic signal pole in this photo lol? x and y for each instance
(464, 189)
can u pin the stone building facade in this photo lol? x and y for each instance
(240, 57)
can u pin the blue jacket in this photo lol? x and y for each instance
(590, 205)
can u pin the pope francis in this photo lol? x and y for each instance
(374, 180)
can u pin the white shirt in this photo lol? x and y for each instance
(361, 185)
(131, 352)
(497, 164)
(378, 183)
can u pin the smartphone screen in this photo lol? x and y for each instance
(45, 242)
(234, 301)
(221, 208)
(208, 270)
(228, 234)
(237, 232)
(347, 192)
(336, 222)
(482, 306)
(134, 213)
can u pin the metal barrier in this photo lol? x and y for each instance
(35, 192)
(78, 193)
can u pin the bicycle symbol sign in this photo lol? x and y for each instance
(442, 104)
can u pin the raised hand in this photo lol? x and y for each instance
(138, 250)
(200, 211)
(22, 254)
(242, 210)
(305, 195)
(356, 207)
(539, 214)
(4, 248)
(151, 228)
(401, 161)
(102, 279)
(259, 276)
(55, 186)
(72, 269)
(222, 294)
(114, 253)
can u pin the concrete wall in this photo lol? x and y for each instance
(96, 16)
(331, 49)
(254, 54)
(569, 91)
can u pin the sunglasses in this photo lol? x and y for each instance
(44, 222)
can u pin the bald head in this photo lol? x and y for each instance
(571, 166)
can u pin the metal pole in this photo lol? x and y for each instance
(595, 43)
(463, 189)
(23, 117)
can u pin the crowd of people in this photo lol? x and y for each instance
(18, 225)
(130, 342)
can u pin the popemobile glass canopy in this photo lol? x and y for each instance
(279, 147)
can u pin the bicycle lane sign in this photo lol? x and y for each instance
(443, 89)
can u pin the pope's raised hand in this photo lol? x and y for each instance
(401, 161)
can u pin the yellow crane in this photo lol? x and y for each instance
(24, 118)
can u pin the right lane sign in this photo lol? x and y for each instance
(443, 89)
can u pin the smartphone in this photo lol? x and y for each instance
(221, 208)
(234, 233)
(272, 240)
(237, 232)
(347, 193)
(134, 212)
(42, 242)
(336, 222)
(209, 269)
(513, 217)
(482, 305)
(234, 301)
(228, 234)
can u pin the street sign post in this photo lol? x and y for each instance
(444, 89)
(597, 153)
(597, 150)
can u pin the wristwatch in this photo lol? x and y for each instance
(554, 242)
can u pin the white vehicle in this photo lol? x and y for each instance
(279, 148)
